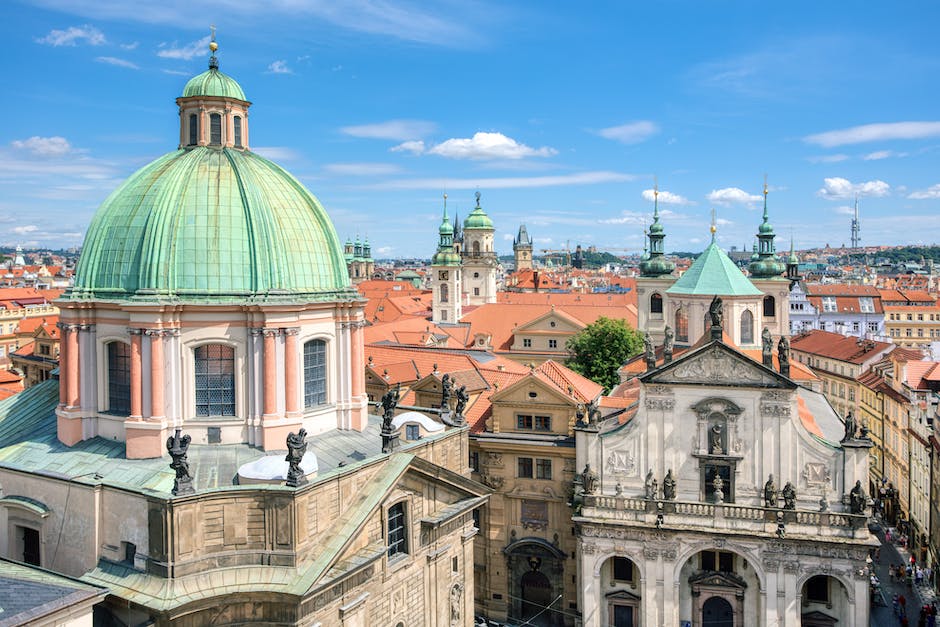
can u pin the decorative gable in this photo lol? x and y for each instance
(717, 364)
(551, 321)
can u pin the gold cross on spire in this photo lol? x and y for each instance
(714, 227)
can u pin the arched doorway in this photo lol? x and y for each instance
(535, 571)
(824, 601)
(717, 612)
(621, 578)
(536, 595)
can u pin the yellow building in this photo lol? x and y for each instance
(914, 326)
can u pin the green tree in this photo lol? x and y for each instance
(601, 348)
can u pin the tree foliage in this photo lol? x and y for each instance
(598, 351)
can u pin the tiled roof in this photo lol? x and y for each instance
(842, 289)
(564, 378)
(28, 593)
(839, 347)
(713, 273)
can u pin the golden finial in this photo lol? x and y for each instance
(212, 45)
(765, 185)
(713, 228)
(655, 186)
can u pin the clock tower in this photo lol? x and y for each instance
(445, 276)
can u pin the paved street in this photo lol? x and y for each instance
(883, 615)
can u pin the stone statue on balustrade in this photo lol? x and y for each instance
(669, 486)
(789, 496)
(858, 500)
(589, 480)
(651, 486)
(770, 492)
(177, 445)
(296, 447)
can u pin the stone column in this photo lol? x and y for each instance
(137, 395)
(270, 373)
(157, 374)
(71, 377)
(291, 396)
(359, 418)
(63, 363)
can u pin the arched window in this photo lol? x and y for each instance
(119, 378)
(397, 529)
(682, 326)
(314, 373)
(445, 292)
(476, 248)
(747, 327)
(656, 304)
(193, 129)
(215, 380)
(770, 307)
(237, 127)
(215, 129)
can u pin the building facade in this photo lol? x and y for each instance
(664, 541)
(478, 255)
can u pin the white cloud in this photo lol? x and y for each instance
(883, 154)
(581, 178)
(118, 62)
(827, 158)
(44, 146)
(630, 133)
(731, 196)
(925, 194)
(837, 188)
(845, 210)
(361, 169)
(415, 147)
(177, 72)
(400, 130)
(667, 198)
(131, 46)
(488, 146)
(276, 153)
(384, 250)
(627, 217)
(23, 230)
(279, 67)
(875, 132)
(194, 49)
(73, 35)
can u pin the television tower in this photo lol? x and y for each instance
(855, 225)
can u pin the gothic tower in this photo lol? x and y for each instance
(522, 250)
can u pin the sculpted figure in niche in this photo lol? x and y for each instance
(715, 440)
(857, 499)
(770, 492)
(669, 486)
(789, 496)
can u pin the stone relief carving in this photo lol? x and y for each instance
(659, 390)
(621, 462)
(775, 395)
(493, 459)
(492, 481)
(816, 474)
(660, 404)
(774, 410)
(717, 367)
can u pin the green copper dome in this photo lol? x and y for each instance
(478, 218)
(208, 224)
(212, 82)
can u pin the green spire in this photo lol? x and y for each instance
(445, 255)
(765, 265)
(655, 264)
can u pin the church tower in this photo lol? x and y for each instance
(655, 278)
(767, 275)
(522, 250)
(445, 276)
(479, 257)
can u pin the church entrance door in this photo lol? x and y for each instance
(717, 612)
(536, 596)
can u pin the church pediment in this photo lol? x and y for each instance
(551, 321)
(717, 579)
(717, 364)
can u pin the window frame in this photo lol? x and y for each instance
(111, 371)
(323, 393)
(215, 139)
(399, 545)
(543, 468)
(237, 131)
(193, 129)
(525, 468)
(197, 375)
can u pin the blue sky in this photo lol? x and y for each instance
(560, 113)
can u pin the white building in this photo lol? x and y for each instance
(707, 552)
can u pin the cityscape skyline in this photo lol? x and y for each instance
(426, 101)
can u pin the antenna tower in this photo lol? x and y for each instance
(855, 225)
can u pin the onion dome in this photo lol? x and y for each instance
(656, 264)
(211, 222)
(445, 255)
(764, 263)
(478, 218)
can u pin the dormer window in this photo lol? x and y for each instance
(193, 129)
(215, 129)
(237, 127)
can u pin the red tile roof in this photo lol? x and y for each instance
(838, 347)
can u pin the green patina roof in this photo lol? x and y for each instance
(713, 273)
(212, 82)
(211, 225)
(478, 220)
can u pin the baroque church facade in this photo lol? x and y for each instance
(211, 327)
